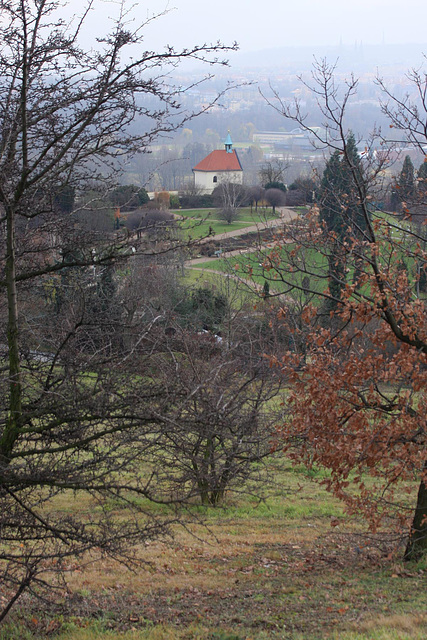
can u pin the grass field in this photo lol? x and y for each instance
(315, 263)
(291, 567)
(242, 265)
(197, 222)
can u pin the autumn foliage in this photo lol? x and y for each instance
(357, 398)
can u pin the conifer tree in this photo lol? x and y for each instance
(340, 209)
(422, 182)
(406, 181)
(422, 171)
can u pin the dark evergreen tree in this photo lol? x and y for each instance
(422, 172)
(275, 184)
(266, 289)
(64, 199)
(340, 210)
(421, 194)
(422, 182)
(394, 198)
(406, 181)
(353, 183)
(330, 199)
(208, 308)
(129, 197)
(307, 185)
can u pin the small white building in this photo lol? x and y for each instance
(222, 165)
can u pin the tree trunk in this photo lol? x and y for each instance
(15, 385)
(417, 543)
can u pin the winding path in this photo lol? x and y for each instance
(286, 215)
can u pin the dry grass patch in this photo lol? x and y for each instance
(395, 627)
(203, 561)
(293, 568)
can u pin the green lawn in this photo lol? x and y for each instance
(201, 228)
(293, 268)
(243, 213)
(198, 222)
(193, 276)
(250, 265)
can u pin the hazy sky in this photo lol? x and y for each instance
(260, 24)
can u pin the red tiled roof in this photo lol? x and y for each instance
(220, 160)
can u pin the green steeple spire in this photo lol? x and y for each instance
(228, 144)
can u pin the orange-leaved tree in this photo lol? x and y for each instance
(358, 392)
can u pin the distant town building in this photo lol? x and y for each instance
(221, 165)
(286, 140)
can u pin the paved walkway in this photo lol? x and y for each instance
(285, 216)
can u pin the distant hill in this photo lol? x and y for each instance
(359, 57)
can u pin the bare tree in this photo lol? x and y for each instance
(228, 197)
(273, 171)
(276, 198)
(218, 428)
(255, 194)
(75, 407)
(155, 223)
